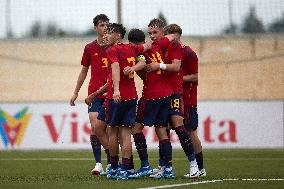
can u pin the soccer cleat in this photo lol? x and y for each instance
(169, 173)
(202, 172)
(144, 171)
(123, 174)
(166, 173)
(98, 169)
(108, 168)
(194, 171)
(112, 174)
(158, 170)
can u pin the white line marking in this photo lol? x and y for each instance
(212, 181)
(184, 184)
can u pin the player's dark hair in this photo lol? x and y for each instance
(116, 28)
(173, 28)
(136, 36)
(100, 17)
(157, 22)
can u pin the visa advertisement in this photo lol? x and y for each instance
(222, 124)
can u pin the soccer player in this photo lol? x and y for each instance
(136, 36)
(95, 56)
(122, 97)
(190, 82)
(173, 56)
(157, 92)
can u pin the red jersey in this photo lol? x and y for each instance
(189, 66)
(174, 51)
(125, 55)
(95, 56)
(155, 84)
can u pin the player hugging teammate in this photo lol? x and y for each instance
(169, 74)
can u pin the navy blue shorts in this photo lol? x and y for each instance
(122, 113)
(98, 106)
(190, 117)
(176, 105)
(156, 112)
(140, 110)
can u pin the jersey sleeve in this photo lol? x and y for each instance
(175, 50)
(85, 61)
(191, 61)
(139, 49)
(194, 62)
(163, 43)
(112, 55)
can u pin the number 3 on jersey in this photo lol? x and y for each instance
(131, 61)
(105, 63)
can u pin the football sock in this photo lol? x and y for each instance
(96, 146)
(166, 152)
(141, 147)
(185, 142)
(126, 163)
(108, 156)
(199, 159)
(114, 162)
(161, 161)
(131, 166)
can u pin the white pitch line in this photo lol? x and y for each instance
(212, 181)
(184, 184)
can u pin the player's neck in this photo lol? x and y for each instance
(100, 41)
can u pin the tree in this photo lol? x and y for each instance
(36, 30)
(231, 29)
(277, 25)
(51, 29)
(163, 18)
(252, 24)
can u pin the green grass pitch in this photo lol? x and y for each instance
(71, 169)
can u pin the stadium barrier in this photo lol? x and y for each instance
(222, 124)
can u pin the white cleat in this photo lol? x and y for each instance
(193, 173)
(202, 172)
(157, 171)
(98, 170)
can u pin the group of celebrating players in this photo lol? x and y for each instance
(169, 71)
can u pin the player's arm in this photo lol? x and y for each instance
(173, 67)
(80, 81)
(147, 45)
(190, 78)
(137, 67)
(172, 37)
(115, 69)
(91, 97)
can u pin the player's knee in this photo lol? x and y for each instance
(176, 121)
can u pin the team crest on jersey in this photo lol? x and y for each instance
(13, 128)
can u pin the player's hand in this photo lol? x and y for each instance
(152, 67)
(116, 96)
(128, 70)
(72, 100)
(89, 100)
(148, 44)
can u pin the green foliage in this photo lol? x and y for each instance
(252, 24)
(277, 25)
(163, 18)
